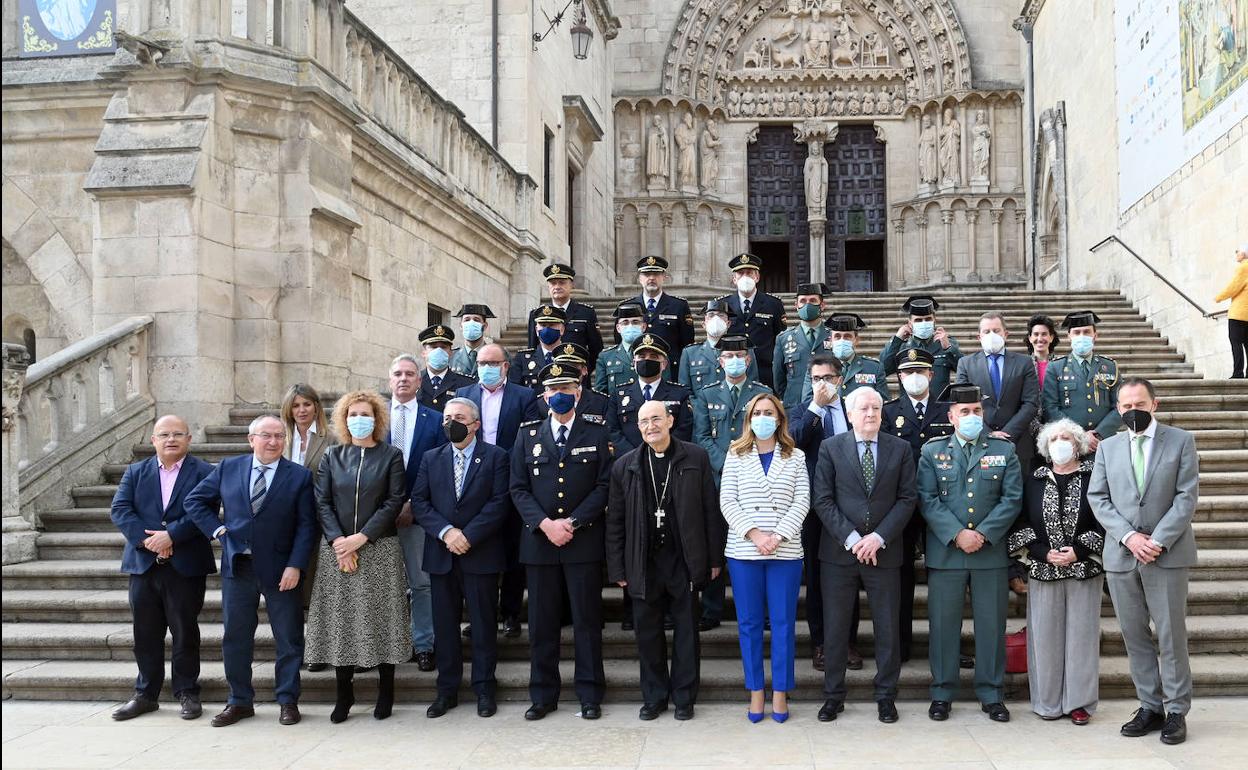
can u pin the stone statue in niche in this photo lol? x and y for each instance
(981, 150)
(899, 101)
(928, 165)
(808, 105)
(853, 106)
(815, 175)
(747, 102)
(777, 103)
(815, 51)
(951, 152)
(821, 103)
(630, 161)
(656, 154)
(686, 153)
(795, 103)
(709, 145)
(764, 103)
(734, 103)
(868, 101)
(838, 101)
(704, 86)
(948, 83)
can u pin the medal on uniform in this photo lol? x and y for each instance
(537, 450)
(901, 421)
(532, 364)
(624, 402)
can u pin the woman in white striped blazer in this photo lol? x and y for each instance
(765, 495)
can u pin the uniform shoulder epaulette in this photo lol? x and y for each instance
(1059, 358)
(692, 345)
(531, 423)
(593, 419)
(675, 296)
(723, 296)
(525, 350)
(869, 358)
(623, 386)
(936, 439)
(713, 385)
(893, 401)
(764, 386)
(595, 390)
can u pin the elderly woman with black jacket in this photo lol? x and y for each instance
(664, 537)
(1063, 541)
(359, 614)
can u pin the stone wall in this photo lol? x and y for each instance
(1187, 227)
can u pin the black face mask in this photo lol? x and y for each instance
(1137, 420)
(648, 368)
(455, 431)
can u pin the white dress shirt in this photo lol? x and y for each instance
(854, 537)
(838, 414)
(555, 424)
(491, 407)
(403, 442)
(297, 448)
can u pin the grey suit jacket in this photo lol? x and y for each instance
(1163, 511)
(1020, 393)
(843, 504)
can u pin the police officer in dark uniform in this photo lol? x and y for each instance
(527, 364)
(560, 473)
(582, 321)
(440, 381)
(916, 416)
(757, 315)
(1083, 386)
(921, 331)
(667, 315)
(615, 364)
(592, 405)
(650, 357)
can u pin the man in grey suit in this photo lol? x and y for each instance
(1143, 491)
(1009, 381)
(864, 493)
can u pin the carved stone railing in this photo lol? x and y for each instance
(85, 404)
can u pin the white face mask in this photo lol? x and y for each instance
(716, 327)
(992, 342)
(915, 384)
(1062, 451)
(745, 284)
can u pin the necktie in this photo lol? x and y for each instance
(918, 411)
(561, 440)
(459, 474)
(650, 305)
(258, 490)
(868, 465)
(1083, 367)
(736, 395)
(548, 357)
(829, 425)
(1137, 461)
(810, 338)
(399, 436)
(745, 307)
(968, 447)
(645, 393)
(436, 382)
(994, 370)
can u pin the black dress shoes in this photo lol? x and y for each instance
(997, 712)
(1175, 730)
(191, 708)
(511, 626)
(315, 667)
(830, 709)
(136, 706)
(440, 706)
(424, 660)
(591, 711)
(966, 661)
(289, 714)
(1143, 723)
(233, 714)
(651, 711)
(888, 711)
(939, 710)
(684, 713)
(539, 711)
(706, 624)
(486, 707)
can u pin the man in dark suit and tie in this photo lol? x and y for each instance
(1009, 381)
(461, 500)
(267, 535)
(440, 381)
(864, 496)
(560, 470)
(504, 406)
(667, 316)
(756, 314)
(581, 320)
(415, 429)
(168, 559)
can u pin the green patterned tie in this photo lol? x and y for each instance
(810, 338)
(868, 466)
(1137, 461)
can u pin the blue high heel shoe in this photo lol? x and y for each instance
(780, 717)
(755, 718)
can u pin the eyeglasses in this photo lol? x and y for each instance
(178, 436)
(648, 421)
(270, 436)
(830, 379)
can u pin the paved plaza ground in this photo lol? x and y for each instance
(81, 735)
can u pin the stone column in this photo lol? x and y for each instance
(691, 223)
(665, 218)
(922, 223)
(19, 535)
(1020, 216)
(996, 243)
(619, 243)
(897, 276)
(814, 133)
(971, 217)
(643, 224)
(737, 230)
(946, 218)
(818, 250)
(717, 224)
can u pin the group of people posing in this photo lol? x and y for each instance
(765, 457)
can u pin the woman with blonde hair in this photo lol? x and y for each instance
(764, 496)
(359, 614)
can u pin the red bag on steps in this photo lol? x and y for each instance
(1016, 652)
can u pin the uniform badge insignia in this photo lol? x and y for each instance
(901, 421)
(537, 450)
(625, 401)
(532, 364)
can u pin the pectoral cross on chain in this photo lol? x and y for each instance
(659, 516)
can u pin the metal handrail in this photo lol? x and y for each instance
(1164, 280)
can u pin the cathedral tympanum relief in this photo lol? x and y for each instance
(951, 152)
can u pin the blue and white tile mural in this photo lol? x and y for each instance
(66, 27)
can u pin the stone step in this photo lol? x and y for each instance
(45, 599)
(115, 641)
(1212, 674)
(1194, 421)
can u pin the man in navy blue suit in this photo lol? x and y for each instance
(415, 429)
(461, 500)
(168, 560)
(267, 536)
(503, 406)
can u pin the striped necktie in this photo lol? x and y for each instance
(258, 490)
(459, 474)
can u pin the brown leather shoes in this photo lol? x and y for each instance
(232, 714)
(290, 714)
(137, 706)
(855, 659)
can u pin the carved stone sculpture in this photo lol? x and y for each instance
(686, 153)
(656, 154)
(815, 175)
(734, 103)
(868, 101)
(709, 146)
(951, 152)
(981, 147)
(747, 103)
(929, 167)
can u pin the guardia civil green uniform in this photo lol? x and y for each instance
(615, 367)
(1083, 390)
(699, 362)
(944, 360)
(718, 414)
(976, 485)
(464, 359)
(790, 361)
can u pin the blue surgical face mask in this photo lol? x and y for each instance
(735, 367)
(1082, 346)
(924, 330)
(472, 330)
(630, 334)
(549, 335)
(843, 349)
(561, 403)
(437, 359)
(808, 312)
(489, 374)
(764, 427)
(970, 426)
(360, 426)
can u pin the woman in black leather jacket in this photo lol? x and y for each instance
(359, 613)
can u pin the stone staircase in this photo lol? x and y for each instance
(66, 632)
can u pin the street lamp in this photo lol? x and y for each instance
(582, 35)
